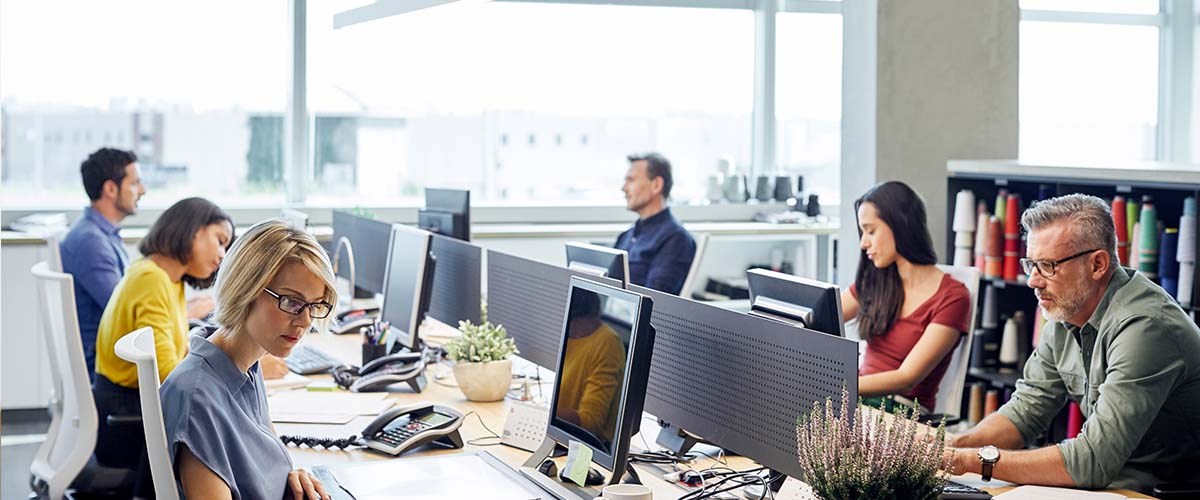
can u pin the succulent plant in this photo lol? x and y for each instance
(480, 343)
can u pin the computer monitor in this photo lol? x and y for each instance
(456, 285)
(806, 303)
(447, 212)
(408, 283)
(528, 298)
(598, 387)
(295, 218)
(369, 240)
(599, 261)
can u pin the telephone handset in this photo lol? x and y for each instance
(351, 321)
(408, 427)
(384, 371)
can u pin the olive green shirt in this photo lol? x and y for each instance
(1134, 370)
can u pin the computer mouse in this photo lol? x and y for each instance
(594, 478)
(548, 468)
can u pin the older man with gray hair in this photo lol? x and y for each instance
(1116, 344)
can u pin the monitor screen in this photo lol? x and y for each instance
(406, 272)
(592, 397)
(802, 302)
(369, 240)
(599, 261)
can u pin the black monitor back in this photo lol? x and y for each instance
(529, 299)
(369, 238)
(456, 284)
(785, 297)
(738, 381)
(447, 212)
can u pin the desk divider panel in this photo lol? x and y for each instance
(529, 299)
(739, 381)
(456, 287)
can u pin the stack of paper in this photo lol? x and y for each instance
(324, 407)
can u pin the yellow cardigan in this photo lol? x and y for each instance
(144, 297)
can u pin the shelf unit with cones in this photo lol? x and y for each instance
(1004, 295)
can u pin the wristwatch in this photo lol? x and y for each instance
(988, 455)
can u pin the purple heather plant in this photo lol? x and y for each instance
(870, 458)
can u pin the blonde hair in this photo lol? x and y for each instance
(254, 260)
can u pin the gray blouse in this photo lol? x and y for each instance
(220, 414)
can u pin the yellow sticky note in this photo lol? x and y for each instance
(579, 459)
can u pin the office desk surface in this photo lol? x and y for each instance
(348, 348)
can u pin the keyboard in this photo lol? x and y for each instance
(308, 360)
(959, 491)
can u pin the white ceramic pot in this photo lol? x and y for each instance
(484, 381)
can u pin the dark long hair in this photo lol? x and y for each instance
(880, 291)
(173, 232)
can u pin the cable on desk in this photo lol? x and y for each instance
(740, 480)
(327, 443)
(473, 442)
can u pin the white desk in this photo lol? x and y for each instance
(348, 348)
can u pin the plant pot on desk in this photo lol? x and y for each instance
(484, 382)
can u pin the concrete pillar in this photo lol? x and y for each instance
(923, 81)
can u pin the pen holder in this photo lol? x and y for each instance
(371, 352)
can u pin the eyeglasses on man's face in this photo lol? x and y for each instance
(1047, 267)
(296, 305)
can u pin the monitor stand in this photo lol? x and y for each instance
(552, 485)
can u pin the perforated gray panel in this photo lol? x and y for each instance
(456, 286)
(530, 298)
(740, 381)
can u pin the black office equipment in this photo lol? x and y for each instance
(447, 212)
(398, 430)
(456, 285)
(368, 257)
(307, 360)
(589, 347)
(739, 381)
(408, 282)
(797, 301)
(528, 298)
(958, 491)
(599, 260)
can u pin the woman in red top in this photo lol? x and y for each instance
(910, 313)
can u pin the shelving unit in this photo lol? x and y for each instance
(1167, 183)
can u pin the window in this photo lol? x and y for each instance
(196, 89)
(485, 98)
(1089, 91)
(808, 93)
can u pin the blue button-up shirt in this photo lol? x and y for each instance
(93, 253)
(660, 252)
(220, 414)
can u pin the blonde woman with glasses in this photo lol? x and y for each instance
(273, 284)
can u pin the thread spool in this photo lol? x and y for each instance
(981, 236)
(1186, 255)
(1001, 199)
(994, 260)
(1024, 339)
(963, 240)
(1074, 420)
(1148, 239)
(1134, 244)
(1168, 263)
(1119, 223)
(975, 408)
(964, 215)
(1012, 235)
(1043, 192)
(783, 188)
(991, 312)
(764, 188)
(1131, 218)
(991, 403)
(1008, 347)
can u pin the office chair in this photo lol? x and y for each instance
(63, 465)
(137, 347)
(689, 283)
(949, 396)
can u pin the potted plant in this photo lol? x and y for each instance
(481, 360)
(873, 456)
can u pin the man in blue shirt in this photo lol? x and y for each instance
(660, 249)
(92, 252)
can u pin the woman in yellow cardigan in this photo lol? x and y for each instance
(185, 245)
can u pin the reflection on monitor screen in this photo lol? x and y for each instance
(593, 367)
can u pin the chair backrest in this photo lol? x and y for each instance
(53, 251)
(949, 397)
(137, 347)
(72, 434)
(689, 283)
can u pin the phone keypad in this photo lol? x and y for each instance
(396, 435)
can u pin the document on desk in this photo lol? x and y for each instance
(1048, 493)
(289, 381)
(325, 407)
(445, 476)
